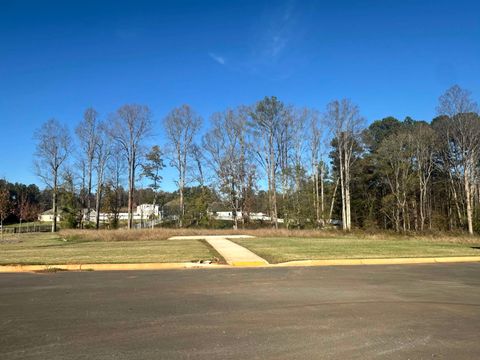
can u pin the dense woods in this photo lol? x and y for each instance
(305, 167)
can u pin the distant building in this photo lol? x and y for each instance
(143, 212)
(148, 210)
(47, 216)
(228, 216)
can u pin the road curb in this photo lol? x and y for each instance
(385, 261)
(179, 266)
(106, 267)
(249, 263)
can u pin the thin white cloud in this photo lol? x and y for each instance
(277, 44)
(218, 59)
(277, 31)
(274, 42)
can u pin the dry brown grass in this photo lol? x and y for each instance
(165, 233)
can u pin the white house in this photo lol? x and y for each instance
(143, 212)
(47, 216)
(147, 210)
(228, 216)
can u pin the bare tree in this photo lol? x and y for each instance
(424, 142)
(267, 117)
(345, 123)
(27, 211)
(103, 151)
(129, 128)
(24, 209)
(53, 145)
(87, 133)
(115, 170)
(396, 155)
(334, 196)
(228, 149)
(314, 142)
(297, 162)
(181, 126)
(199, 158)
(81, 168)
(462, 135)
(448, 162)
(316, 139)
(284, 148)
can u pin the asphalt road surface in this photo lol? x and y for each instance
(358, 312)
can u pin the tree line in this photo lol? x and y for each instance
(304, 166)
(19, 202)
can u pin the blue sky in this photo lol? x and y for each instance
(390, 57)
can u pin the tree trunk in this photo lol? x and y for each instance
(182, 206)
(333, 200)
(98, 202)
(397, 219)
(455, 199)
(421, 205)
(468, 196)
(273, 190)
(429, 208)
(342, 188)
(274, 200)
(89, 192)
(54, 201)
(234, 204)
(153, 208)
(285, 197)
(131, 180)
(235, 220)
(314, 193)
(297, 197)
(348, 214)
(404, 211)
(322, 195)
(415, 215)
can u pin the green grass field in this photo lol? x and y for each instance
(276, 250)
(47, 249)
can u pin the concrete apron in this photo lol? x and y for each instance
(234, 254)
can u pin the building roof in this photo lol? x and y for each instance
(50, 212)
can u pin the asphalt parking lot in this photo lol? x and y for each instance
(358, 312)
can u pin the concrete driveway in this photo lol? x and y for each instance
(361, 312)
